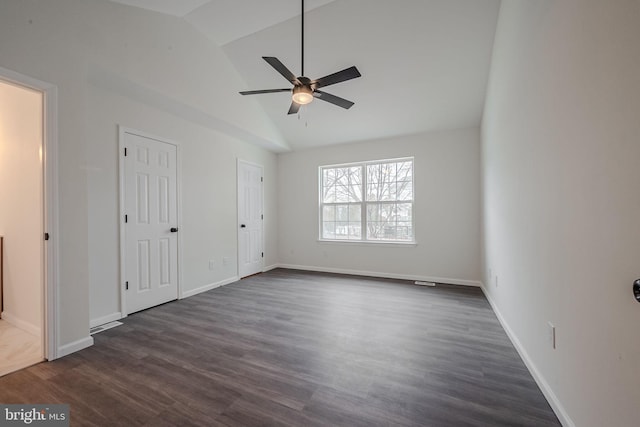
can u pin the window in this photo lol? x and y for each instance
(369, 201)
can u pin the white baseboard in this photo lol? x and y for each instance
(78, 345)
(105, 319)
(21, 324)
(270, 267)
(192, 292)
(551, 397)
(443, 280)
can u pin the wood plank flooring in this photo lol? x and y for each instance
(18, 349)
(292, 348)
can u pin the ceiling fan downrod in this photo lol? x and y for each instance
(302, 42)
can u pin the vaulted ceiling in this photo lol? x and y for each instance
(424, 63)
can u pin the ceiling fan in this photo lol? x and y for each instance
(304, 89)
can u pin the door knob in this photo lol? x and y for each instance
(174, 229)
(243, 225)
(636, 290)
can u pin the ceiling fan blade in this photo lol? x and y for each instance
(279, 66)
(340, 76)
(257, 92)
(294, 108)
(336, 100)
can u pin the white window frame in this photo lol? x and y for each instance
(363, 203)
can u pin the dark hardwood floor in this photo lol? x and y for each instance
(294, 348)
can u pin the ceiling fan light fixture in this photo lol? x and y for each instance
(302, 95)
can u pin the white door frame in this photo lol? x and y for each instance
(122, 130)
(49, 91)
(238, 163)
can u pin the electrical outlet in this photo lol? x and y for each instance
(212, 264)
(225, 260)
(551, 335)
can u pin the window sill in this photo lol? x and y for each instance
(368, 243)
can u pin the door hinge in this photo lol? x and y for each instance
(126, 218)
(261, 216)
(46, 236)
(126, 285)
(262, 254)
(125, 151)
(262, 179)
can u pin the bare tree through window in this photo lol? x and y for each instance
(368, 201)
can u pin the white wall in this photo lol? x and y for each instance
(446, 210)
(112, 65)
(561, 200)
(208, 195)
(21, 208)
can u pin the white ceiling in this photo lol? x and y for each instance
(424, 63)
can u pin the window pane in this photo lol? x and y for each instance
(374, 230)
(372, 191)
(342, 213)
(328, 213)
(388, 171)
(328, 185)
(404, 211)
(404, 231)
(355, 219)
(355, 213)
(350, 185)
(373, 212)
(342, 194)
(328, 230)
(355, 175)
(328, 177)
(390, 181)
(342, 176)
(389, 221)
(329, 195)
(342, 222)
(342, 230)
(405, 171)
(387, 191)
(374, 173)
(378, 192)
(375, 221)
(405, 190)
(373, 178)
(355, 231)
(387, 212)
(355, 184)
(342, 185)
(355, 193)
(389, 232)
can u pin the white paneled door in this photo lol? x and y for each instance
(151, 225)
(250, 218)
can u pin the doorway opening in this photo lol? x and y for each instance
(21, 227)
(27, 221)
